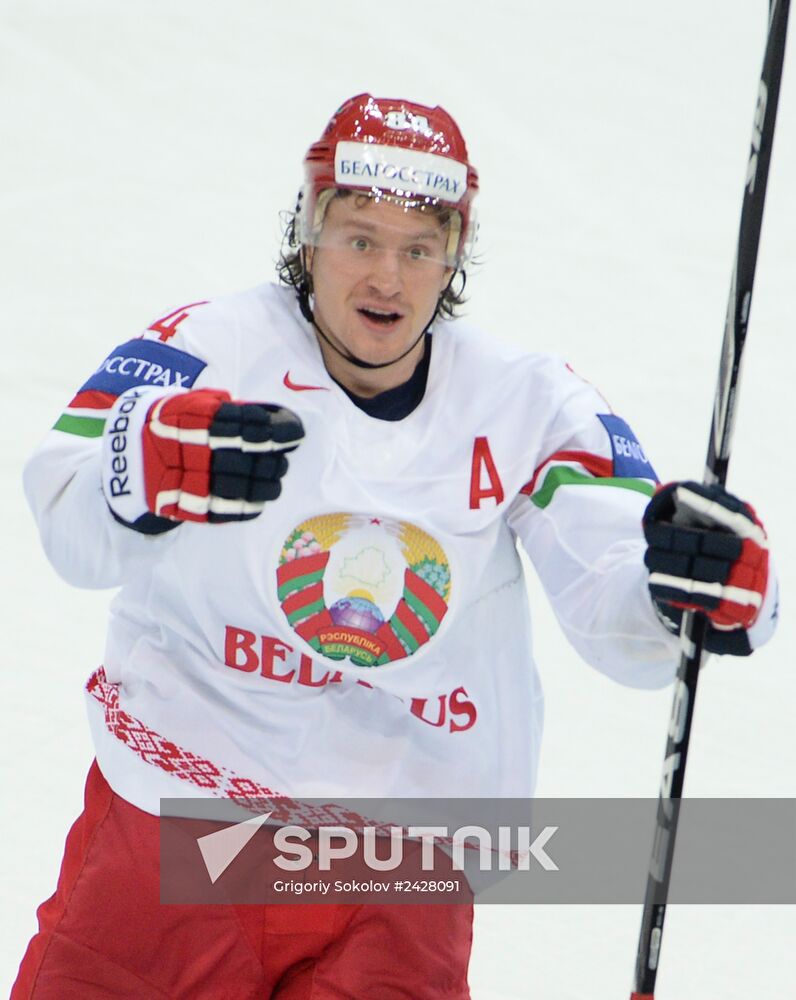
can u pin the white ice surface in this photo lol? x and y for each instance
(146, 150)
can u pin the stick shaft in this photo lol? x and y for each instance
(718, 457)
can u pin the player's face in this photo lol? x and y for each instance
(378, 271)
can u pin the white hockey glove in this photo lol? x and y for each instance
(193, 456)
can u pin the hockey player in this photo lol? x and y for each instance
(310, 496)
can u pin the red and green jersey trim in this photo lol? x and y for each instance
(72, 423)
(582, 469)
(83, 416)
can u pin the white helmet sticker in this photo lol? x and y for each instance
(403, 121)
(402, 172)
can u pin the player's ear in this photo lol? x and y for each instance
(447, 280)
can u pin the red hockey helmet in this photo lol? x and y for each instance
(393, 150)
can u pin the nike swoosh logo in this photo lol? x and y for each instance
(301, 388)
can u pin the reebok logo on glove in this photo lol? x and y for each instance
(117, 431)
(707, 552)
(193, 456)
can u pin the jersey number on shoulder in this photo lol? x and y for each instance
(484, 479)
(167, 326)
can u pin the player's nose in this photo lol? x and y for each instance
(386, 273)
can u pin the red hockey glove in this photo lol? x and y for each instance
(707, 552)
(194, 456)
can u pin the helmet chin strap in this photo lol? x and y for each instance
(352, 359)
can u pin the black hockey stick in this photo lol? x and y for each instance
(718, 457)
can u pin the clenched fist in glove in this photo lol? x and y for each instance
(193, 456)
(708, 553)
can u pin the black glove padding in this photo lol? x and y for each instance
(707, 553)
(240, 474)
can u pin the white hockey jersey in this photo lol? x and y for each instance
(369, 633)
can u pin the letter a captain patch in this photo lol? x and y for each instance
(483, 466)
(630, 462)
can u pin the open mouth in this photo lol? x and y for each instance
(381, 317)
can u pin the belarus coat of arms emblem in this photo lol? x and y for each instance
(365, 588)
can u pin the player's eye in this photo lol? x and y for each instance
(360, 243)
(418, 253)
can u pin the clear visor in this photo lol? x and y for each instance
(360, 226)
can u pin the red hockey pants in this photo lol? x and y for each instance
(104, 934)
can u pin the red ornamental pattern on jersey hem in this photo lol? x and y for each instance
(155, 749)
(364, 588)
(219, 781)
